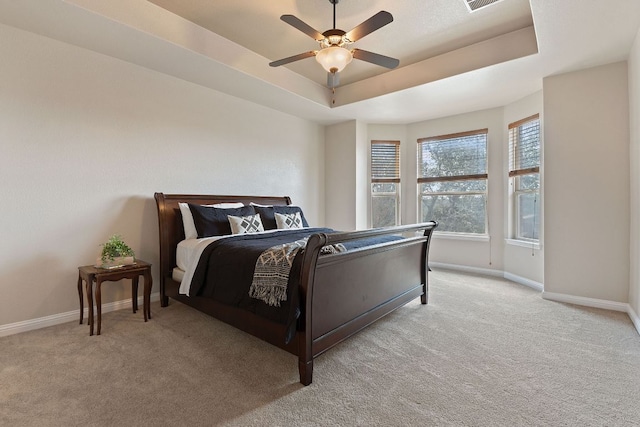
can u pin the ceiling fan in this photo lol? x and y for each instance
(333, 55)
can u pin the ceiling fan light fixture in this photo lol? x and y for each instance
(334, 58)
(333, 55)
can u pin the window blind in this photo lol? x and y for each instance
(524, 146)
(385, 161)
(453, 157)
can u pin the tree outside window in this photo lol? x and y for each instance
(524, 177)
(452, 181)
(385, 183)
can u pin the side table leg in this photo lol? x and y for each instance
(134, 293)
(89, 286)
(148, 283)
(99, 304)
(81, 298)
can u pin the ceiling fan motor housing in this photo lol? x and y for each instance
(333, 37)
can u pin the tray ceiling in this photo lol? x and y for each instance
(452, 60)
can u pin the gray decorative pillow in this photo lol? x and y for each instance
(288, 220)
(245, 224)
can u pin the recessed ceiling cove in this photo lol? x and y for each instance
(431, 40)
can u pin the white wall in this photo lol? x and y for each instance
(634, 149)
(87, 139)
(586, 183)
(523, 261)
(347, 176)
(478, 252)
(362, 177)
(340, 175)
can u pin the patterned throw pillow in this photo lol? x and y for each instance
(288, 220)
(245, 224)
(267, 214)
(190, 231)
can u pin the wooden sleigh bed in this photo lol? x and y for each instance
(339, 294)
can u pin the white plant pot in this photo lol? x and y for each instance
(117, 262)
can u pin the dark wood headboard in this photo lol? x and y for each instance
(170, 220)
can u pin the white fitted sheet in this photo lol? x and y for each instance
(188, 249)
(188, 254)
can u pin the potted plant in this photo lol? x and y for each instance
(115, 253)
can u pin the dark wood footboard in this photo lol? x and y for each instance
(340, 294)
(343, 293)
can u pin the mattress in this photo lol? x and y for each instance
(177, 274)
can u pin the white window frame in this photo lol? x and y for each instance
(516, 172)
(479, 176)
(387, 176)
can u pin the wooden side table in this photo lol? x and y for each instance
(90, 274)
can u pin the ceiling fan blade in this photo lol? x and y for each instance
(333, 80)
(375, 58)
(377, 21)
(302, 26)
(292, 58)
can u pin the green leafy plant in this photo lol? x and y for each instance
(115, 247)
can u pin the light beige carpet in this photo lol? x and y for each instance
(484, 352)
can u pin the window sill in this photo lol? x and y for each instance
(523, 244)
(461, 236)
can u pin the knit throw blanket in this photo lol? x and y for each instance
(271, 274)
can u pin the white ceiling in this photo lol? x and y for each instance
(421, 29)
(451, 60)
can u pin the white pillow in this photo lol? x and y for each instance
(245, 224)
(190, 231)
(288, 221)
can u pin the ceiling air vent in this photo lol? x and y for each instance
(478, 4)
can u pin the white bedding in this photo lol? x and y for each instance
(188, 254)
(177, 274)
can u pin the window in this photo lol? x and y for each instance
(452, 181)
(524, 177)
(385, 183)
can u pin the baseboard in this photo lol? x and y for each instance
(56, 319)
(588, 302)
(596, 303)
(524, 281)
(467, 269)
(489, 272)
(634, 317)
(551, 296)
